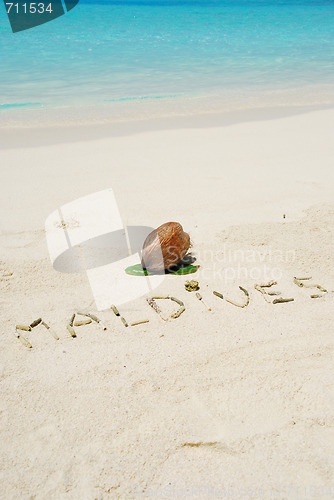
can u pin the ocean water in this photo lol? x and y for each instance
(106, 52)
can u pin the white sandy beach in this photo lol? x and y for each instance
(232, 403)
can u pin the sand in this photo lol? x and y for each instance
(232, 403)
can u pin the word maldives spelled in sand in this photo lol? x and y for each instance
(88, 318)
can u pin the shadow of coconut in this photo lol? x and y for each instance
(102, 250)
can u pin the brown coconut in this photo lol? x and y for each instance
(165, 247)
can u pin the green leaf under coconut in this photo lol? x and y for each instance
(137, 270)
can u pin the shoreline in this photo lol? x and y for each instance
(20, 136)
(220, 107)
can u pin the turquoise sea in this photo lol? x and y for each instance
(105, 52)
